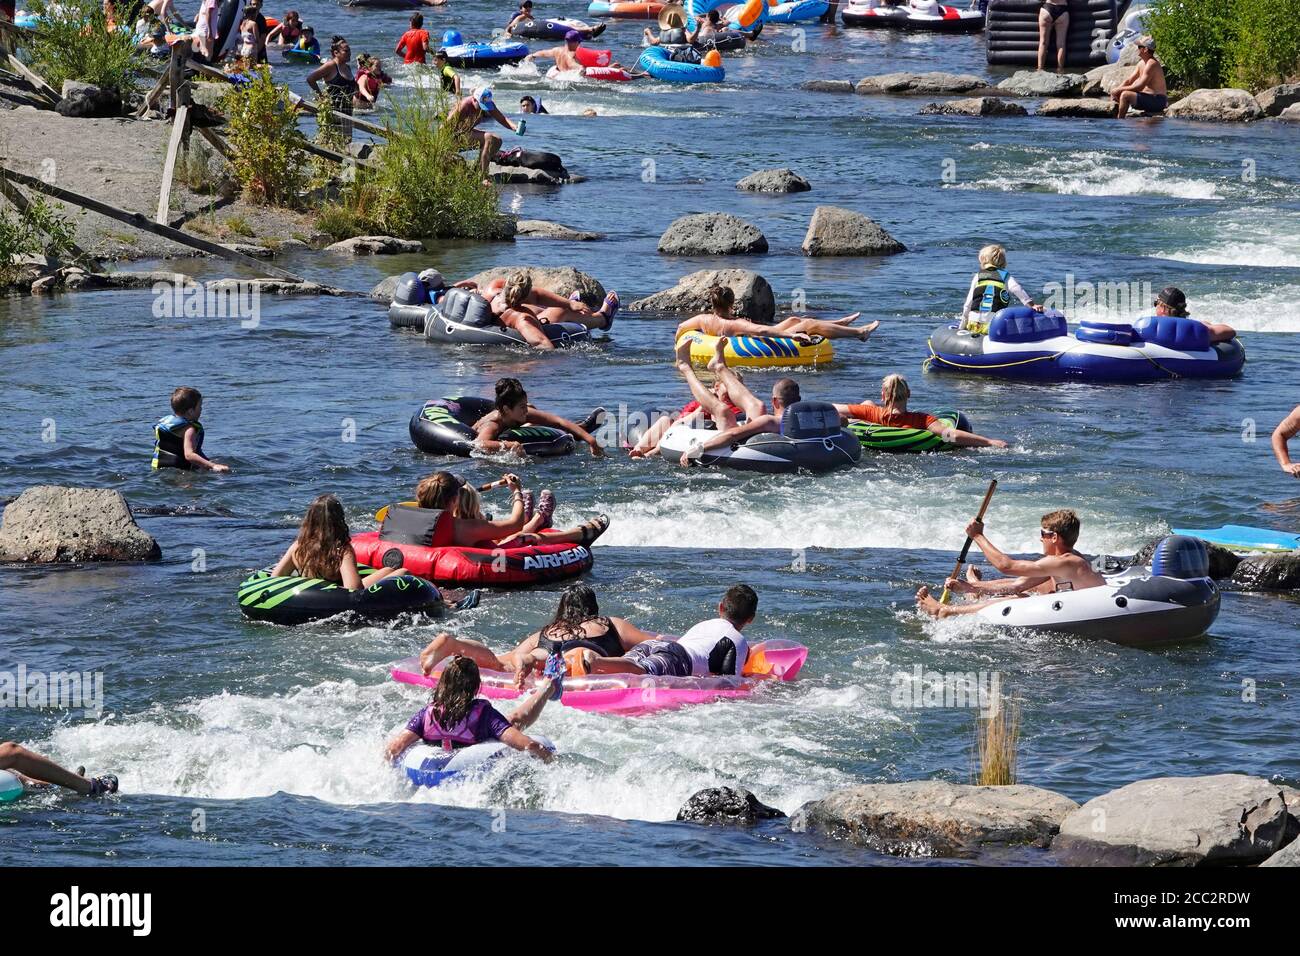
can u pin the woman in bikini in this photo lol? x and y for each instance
(721, 323)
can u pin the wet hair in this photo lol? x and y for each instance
(895, 390)
(185, 399)
(1065, 523)
(739, 604)
(458, 685)
(322, 539)
(993, 256)
(721, 298)
(417, 20)
(516, 289)
(437, 491)
(509, 393)
(786, 391)
(577, 606)
(469, 504)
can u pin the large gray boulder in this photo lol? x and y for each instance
(58, 523)
(1291, 114)
(1086, 107)
(1268, 572)
(827, 86)
(83, 100)
(1287, 856)
(774, 181)
(834, 231)
(542, 229)
(1275, 99)
(726, 806)
(711, 234)
(1222, 561)
(384, 290)
(1179, 821)
(562, 280)
(951, 84)
(1042, 83)
(936, 817)
(1216, 106)
(1103, 79)
(375, 246)
(754, 297)
(975, 106)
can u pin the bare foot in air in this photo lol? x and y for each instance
(865, 332)
(926, 603)
(719, 360)
(847, 320)
(683, 351)
(973, 574)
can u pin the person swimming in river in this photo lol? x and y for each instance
(565, 56)
(531, 104)
(178, 438)
(708, 404)
(991, 290)
(512, 410)
(323, 549)
(892, 410)
(784, 394)
(720, 322)
(457, 717)
(1060, 568)
(577, 626)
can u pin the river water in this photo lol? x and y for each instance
(239, 743)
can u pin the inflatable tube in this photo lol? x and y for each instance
(489, 567)
(948, 20)
(625, 10)
(747, 15)
(445, 426)
(753, 351)
(1012, 32)
(725, 42)
(464, 318)
(11, 788)
(555, 29)
(657, 62)
(296, 600)
(796, 11)
(1130, 27)
(610, 74)
(481, 55)
(294, 55)
(589, 56)
(632, 694)
(811, 438)
(1023, 344)
(429, 766)
(1244, 539)
(1173, 600)
(890, 438)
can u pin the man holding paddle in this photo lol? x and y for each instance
(1060, 568)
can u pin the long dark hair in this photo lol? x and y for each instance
(457, 687)
(577, 606)
(323, 539)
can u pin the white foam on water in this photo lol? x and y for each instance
(1250, 237)
(1094, 173)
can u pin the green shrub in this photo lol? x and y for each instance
(41, 230)
(1192, 38)
(72, 42)
(262, 130)
(1265, 48)
(417, 186)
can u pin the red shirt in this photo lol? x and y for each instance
(877, 415)
(416, 43)
(691, 407)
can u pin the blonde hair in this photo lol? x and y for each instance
(895, 390)
(516, 289)
(469, 504)
(993, 256)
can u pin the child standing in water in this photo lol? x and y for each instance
(178, 438)
(991, 290)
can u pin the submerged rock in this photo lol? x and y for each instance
(1179, 821)
(976, 106)
(1216, 106)
(1268, 572)
(541, 229)
(834, 231)
(711, 234)
(375, 246)
(827, 86)
(1087, 107)
(1042, 83)
(912, 83)
(774, 181)
(726, 806)
(754, 297)
(936, 817)
(58, 523)
(562, 280)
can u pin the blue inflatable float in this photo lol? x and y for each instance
(429, 766)
(657, 62)
(1038, 346)
(497, 53)
(796, 11)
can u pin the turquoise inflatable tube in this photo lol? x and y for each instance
(796, 11)
(655, 61)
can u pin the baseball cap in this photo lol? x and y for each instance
(573, 36)
(1173, 297)
(433, 279)
(1147, 41)
(485, 100)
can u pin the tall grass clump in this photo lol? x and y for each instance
(417, 186)
(997, 743)
(72, 41)
(40, 231)
(1250, 44)
(262, 130)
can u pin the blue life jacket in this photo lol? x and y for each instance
(169, 442)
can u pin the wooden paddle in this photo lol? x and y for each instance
(382, 513)
(965, 548)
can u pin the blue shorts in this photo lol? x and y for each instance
(661, 659)
(1150, 102)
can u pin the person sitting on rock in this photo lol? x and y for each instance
(178, 438)
(784, 394)
(32, 769)
(991, 290)
(1172, 301)
(711, 648)
(1145, 87)
(323, 549)
(1287, 429)
(892, 411)
(441, 492)
(712, 404)
(1061, 567)
(720, 322)
(457, 717)
(577, 626)
(468, 114)
(513, 410)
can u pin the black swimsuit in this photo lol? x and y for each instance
(1054, 10)
(606, 644)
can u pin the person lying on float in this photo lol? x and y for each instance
(1060, 568)
(712, 403)
(784, 394)
(892, 411)
(720, 322)
(513, 410)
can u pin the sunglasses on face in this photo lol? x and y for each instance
(1044, 533)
